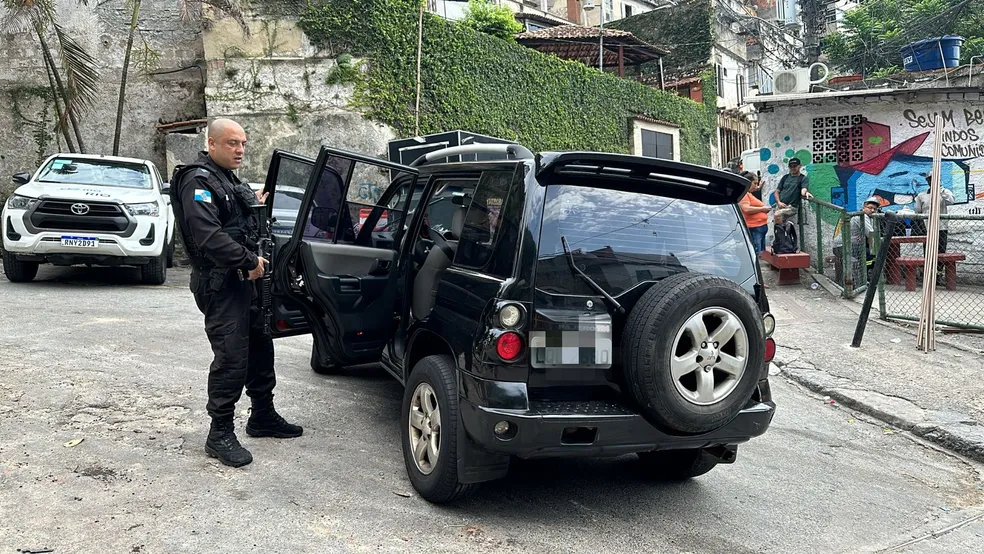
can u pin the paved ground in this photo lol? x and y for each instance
(94, 356)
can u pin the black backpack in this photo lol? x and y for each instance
(785, 240)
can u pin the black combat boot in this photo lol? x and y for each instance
(264, 421)
(223, 444)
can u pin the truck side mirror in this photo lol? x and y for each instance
(21, 178)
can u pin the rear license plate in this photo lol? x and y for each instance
(583, 348)
(80, 242)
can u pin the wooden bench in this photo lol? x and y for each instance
(787, 264)
(948, 259)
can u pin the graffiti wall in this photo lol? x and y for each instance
(852, 151)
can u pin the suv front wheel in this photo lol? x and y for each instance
(18, 271)
(428, 425)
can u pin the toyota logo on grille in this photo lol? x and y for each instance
(80, 209)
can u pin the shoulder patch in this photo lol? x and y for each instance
(203, 195)
(202, 172)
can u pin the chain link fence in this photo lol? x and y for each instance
(824, 228)
(958, 275)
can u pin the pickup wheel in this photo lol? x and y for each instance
(676, 465)
(155, 271)
(694, 349)
(429, 424)
(18, 271)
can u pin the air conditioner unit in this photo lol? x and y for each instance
(793, 81)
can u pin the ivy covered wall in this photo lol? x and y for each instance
(488, 85)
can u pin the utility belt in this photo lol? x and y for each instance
(211, 277)
(214, 278)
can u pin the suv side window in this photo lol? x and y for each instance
(337, 214)
(486, 221)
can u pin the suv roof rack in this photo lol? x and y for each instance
(518, 152)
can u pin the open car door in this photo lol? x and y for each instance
(287, 179)
(339, 266)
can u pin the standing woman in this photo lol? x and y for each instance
(755, 212)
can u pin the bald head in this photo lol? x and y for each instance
(226, 143)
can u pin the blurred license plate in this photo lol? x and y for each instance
(80, 242)
(571, 348)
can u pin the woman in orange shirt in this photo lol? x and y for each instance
(755, 212)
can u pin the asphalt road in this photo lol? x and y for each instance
(94, 355)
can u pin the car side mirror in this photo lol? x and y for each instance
(166, 188)
(21, 178)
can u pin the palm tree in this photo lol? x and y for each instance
(135, 7)
(78, 89)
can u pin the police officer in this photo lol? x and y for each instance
(212, 207)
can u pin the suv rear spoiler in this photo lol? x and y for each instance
(642, 174)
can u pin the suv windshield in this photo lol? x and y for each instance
(620, 239)
(96, 172)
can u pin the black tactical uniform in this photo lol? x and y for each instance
(212, 207)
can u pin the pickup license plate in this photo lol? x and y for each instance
(590, 349)
(80, 242)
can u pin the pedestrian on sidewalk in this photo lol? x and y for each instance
(785, 238)
(792, 188)
(755, 212)
(862, 230)
(923, 201)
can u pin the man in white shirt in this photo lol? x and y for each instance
(923, 201)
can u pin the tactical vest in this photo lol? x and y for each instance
(240, 226)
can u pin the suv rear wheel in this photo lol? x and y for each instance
(428, 425)
(694, 347)
(676, 465)
(18, 271)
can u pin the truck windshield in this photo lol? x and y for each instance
(620, 239)
(83, 171)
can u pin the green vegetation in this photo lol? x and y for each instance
(492, 19)
(875, 31)
(477, 82)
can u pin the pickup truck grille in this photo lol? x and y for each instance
(58, 214)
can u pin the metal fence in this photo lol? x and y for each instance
(959, 273)
(825, 228)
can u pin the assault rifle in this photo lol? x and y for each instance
(264, 249)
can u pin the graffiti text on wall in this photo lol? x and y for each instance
(962, 130)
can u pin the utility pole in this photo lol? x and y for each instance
(814, 18)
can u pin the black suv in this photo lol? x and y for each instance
(564, 304)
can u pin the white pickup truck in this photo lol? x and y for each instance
(89, 209)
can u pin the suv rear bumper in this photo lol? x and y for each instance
(590, 428)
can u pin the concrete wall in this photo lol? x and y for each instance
(883, 146)
(101, 28)
(274, 84)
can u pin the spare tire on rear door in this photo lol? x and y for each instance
(693, 350)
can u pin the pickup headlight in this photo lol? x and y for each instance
(17, 202)
(149, 208)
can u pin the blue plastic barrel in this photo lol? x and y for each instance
(932, 53)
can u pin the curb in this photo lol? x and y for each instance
(950, 430)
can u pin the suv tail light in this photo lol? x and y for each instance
(509, 346)
(770, 349)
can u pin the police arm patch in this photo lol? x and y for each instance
(203, 195)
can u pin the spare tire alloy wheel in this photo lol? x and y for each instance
(694, 350)
(710, 355)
